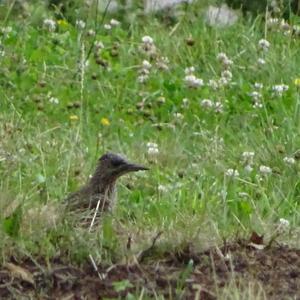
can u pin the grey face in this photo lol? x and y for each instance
(117, 166)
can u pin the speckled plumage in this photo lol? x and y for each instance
(102, 185)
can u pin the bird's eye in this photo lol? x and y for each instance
(116, 163)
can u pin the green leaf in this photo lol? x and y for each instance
(122, 285)
(11, 225)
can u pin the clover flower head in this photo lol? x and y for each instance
(49, 24)
(264, 44)
(232, 173)
(193, 82)
(289, 160)
(265, 170)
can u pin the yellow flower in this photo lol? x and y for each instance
(74, 118)
(297, 81)
(62, 23)
(105, 122)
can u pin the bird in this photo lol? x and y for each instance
(99, 193)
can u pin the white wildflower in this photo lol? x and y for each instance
(114, 23)
(289, 160)
(207, 103)
(257, 104)
(218, 107)
(255, 95)
(261, 61)
(273, 22)
(285, 224)
(264, 44)
(91, 32)
(80, 24)
(279, 89)
(265, 170)
(142, 78)
(284, 26)
(248, 156)
(49, 24)
(147, 39)
(162, 188)
(98, 45)
(213, 84)
(222, 57)
(53, 100)
(146, 64)
(226, 74)
(152, 149)
(185, 102)
(232, 173)
(223, 81)
(163, 63)
(193, 82)
(178, 116)
(248, 168)
(107, 26)
(189, 70)
(258, 85)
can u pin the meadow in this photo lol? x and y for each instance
(213, 112)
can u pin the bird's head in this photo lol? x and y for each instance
(111, 166)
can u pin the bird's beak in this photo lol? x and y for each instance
(130, 167)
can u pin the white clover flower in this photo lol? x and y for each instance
(162, 188)
(114, 23)
(193, 82)
(289, 160)
(284, 26)
(213, 84)
(91, 32)
(247, 155)
(222, 57)
(296, 29)
(107, 26)
(265, 170)
(7, 30)
(53, 100)
(223, 81)
(258, 85)
(152, 149)
(226, 74)
(163, 63)
(189, 70)
(218, 107)
(147, 39)
(80, 24)
(185, 102)
(243, 194)
(248, 168)
(146, 64)
(273, 22)
(152, 145)
(255, 95)
(142, 78)
(49, 24)
(207, 103)
(261, 61)
(264, 44)
(232, 173)
(257, 104)
(178, 116)
(279, 89)
(284, 223)
(98, 45)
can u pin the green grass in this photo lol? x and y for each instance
(44, 154)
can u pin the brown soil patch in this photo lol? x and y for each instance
(186, 272)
